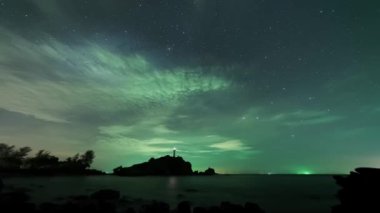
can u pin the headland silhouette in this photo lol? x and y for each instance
(163, 166)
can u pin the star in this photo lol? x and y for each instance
(169, 48)
(135, 78)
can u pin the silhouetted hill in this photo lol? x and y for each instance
(166, 165)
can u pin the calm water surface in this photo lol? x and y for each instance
(274, 193)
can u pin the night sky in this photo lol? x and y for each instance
(242, 86)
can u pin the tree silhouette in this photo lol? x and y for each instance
(10, 158)
(79, 162)
(42, 160)
(87, 158)
(16, 160)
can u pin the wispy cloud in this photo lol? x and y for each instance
(231, 145)
(159, 141)
(162, 129)
(50, 79)
(305, 117)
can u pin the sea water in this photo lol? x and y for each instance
(274, 193)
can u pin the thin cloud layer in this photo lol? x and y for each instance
(132, 79)
(231, 145)
(49, 80)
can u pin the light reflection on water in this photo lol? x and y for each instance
(172, 184)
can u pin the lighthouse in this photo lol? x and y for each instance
(174, 150)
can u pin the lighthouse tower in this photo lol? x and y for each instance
(174, 150)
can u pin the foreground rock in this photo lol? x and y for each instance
(16, 202)
(106, 194)
(109, 201)
(360, 191)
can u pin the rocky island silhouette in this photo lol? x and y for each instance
(163, 166)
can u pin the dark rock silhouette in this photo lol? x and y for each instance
(106, 194)
(166, 165)
(209, 171)
(253, 207)
(49, 207)
(16, 202)
(227, 207)
(230, 207)
(1, 185)
(16, 196)
(199, 209)
(156, 207)
(130, 210)
(109, 201)
(184, 207)
(359, 192)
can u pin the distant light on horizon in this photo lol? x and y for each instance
(304, 172)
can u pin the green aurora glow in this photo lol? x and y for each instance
(131, 80)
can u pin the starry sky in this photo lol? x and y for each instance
(246, 86)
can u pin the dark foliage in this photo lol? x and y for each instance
(12, 158)
(15, 161)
